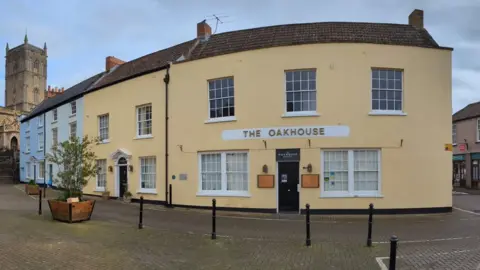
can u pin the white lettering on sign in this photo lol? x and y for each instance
(286, 132)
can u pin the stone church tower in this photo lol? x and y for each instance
(25, 76)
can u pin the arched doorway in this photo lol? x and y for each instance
(122, 175)
(14, 143)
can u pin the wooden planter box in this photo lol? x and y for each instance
(71, 212)
(31, 189)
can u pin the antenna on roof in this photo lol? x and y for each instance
(218, 19)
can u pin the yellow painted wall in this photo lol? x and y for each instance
(120, 101)
(417, 174)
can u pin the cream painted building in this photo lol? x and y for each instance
(336, 115)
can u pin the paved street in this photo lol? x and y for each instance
(179, 239)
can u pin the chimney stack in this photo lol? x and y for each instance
(203, 30)
(111, 62)
(416, 18)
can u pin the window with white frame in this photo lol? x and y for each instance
(28, 169)
(54, 136)
(147, 172)
(73, 129)
(41, 169)
(103, 127)
(351, 172)
(144, 120)
(224, 172)
(301, 90)
(27, 144)
(27, 125)
(387, 90)
(73, 106)
(221, 98)
(54, 115)
(101, 174)
(40, 141)
(454, 133)
(40, 121)
(478, 130)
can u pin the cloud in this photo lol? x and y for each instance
(81, 33)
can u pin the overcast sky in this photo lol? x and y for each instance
(81, 33)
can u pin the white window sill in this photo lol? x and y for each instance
(300, 114)
(27, 131)
(147, 191)
(221, 119)
(454, 144)
(27, 152)
(141, 137)
(104, 141)
(392, 113)
(54, 121)
(72, 115)
(40, 126)
(223, 194)
(40, 150)
(372, 195)
(99, 189)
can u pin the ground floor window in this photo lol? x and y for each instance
(224, 172)
(147, 172)
(351, 172)
(41, 170)
(101, 174)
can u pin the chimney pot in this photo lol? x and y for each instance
(203, 30)
(111, 62)
(416, 18)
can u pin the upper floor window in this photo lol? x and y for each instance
(301, 93)
(387, 90)
(221, 98)
(103, 127)
(40, 141)
(27, 144)
(144, 120)
(36, 66)
(73, 106)
(478, 130)
(454, 133)
(40, 121)
(54, 136)
(27, 125)
(55, 115)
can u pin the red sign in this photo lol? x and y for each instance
(461, 147)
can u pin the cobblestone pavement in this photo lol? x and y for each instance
(179, 239)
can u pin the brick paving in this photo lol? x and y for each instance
(179, 239)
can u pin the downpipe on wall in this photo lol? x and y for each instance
(166, 80)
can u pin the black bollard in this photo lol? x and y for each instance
(39, 201)
(370, 221)
(214, 210)
(393, 252)
(140, 221)
(307, 218)
(170, 195)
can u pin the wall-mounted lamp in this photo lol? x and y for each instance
(308, 168)
(265, 168)
(110, 168)
(130, 168)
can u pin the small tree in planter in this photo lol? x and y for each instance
(32, 188)
(76, 163)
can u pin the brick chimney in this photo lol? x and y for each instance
(416, 18)
(111, 61)
(53, 91)
(203, 30)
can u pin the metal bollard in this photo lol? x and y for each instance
(307, 217)
(140, 221)
(39, 201)
(170, 195)
(214, 212)
(393, 252)
(370, 222)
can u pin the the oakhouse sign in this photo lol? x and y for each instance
(286, 132)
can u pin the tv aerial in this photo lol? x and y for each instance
(219, 18)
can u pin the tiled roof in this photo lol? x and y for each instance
(67, 96)
(470, 111)
(275, 36)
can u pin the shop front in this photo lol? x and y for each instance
(459, 171)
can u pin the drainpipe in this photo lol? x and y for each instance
(44, 153)
(166, 80)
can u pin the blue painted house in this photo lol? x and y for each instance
(52, 121)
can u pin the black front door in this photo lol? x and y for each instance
(50, 170)
(288, 195)
(122, 170)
